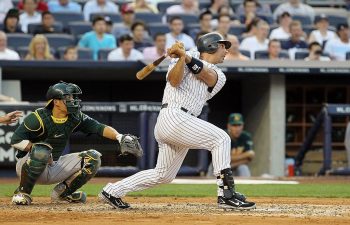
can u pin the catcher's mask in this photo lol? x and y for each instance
(210, 42)
(65, 91)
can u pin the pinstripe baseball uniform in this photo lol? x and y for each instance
(178, 129)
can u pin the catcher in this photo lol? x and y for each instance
(42, 137)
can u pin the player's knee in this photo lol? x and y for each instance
(224, 139)
(40, 152)
(91, 161)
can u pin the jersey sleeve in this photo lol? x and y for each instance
(31, 128)
(219, 83)
(89, 125)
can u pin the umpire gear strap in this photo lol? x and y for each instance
(228, 184)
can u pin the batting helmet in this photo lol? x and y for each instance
(210, 43)
(65, 91)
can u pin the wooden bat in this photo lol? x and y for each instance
(145, 71)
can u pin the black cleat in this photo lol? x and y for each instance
(113, 201)
(234, 203)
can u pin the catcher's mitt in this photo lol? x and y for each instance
(129, 144)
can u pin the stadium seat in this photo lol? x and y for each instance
(284, 54)
(301, 54)
(18, 40)
(115, 17)
(66, 17)
(83, 53)
(304, 20)
(149, 17)
(187, 18)
(335, 20)
(158, 28)
(79, 28)
(33, 26)
(237, 30)
(347, 56)
(245, 52)
(60, 40)
(192, 30)
(163, 6)
(103, 53)
(1, 26)
(261, 54)
(204, 5)
(267, 18)
(308, 28)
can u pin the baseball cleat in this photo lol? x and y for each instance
(21, 199)
(234, 203)
(76, 197)
(113, 201)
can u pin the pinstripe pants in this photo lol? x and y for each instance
(177, 131)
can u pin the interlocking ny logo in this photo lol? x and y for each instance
(196, 68)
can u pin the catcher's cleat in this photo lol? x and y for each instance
(21, 199)
(234, 203)
(113, 201)
(76, 197)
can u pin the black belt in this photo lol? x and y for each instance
(165, 105)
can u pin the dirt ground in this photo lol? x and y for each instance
(171, 210)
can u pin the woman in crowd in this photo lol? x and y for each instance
(39, 49)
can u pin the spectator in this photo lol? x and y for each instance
(274, 50)
(39, 49)
(338, 47)
(97, 38)
(205, 24)
(216, 5)
(251, 28)
(143, 7)
(47, 24)
(5, 6)
(257, 42)
(315, 53)
(99, 6)
(249, 9)
(241, 145)
(153, 53)
(126, 51)
(295, 8)
(64, 6)
(261, 9)
(295, 40)
(128, 17)
(186, 7)
(5, 53)
(224, 25)
(70, 53)
(322, 34)
(11, 22)
(176, 33)
(41, 6)
(233, 51)
(282, 32)
(29, 14)
(138, 30)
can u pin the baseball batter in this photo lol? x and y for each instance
(192, 79)
(42, 137)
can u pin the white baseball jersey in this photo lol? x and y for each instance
(176, 131)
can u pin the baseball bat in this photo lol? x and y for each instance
(145, 71)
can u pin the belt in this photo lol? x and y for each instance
(165, 105)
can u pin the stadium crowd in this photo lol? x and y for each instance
(143, 29)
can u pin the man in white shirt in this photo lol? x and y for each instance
(126, 51)
(5, 6)
(128, 18)
(176, 27)
(224, 23)
(63, 6)
(153, 53)
(282, 32)
(29, 15)
(337, 48)
(186, 7)
(5, 53)
(257, 42)
(322, 34)
(295, 8)
(99, 6)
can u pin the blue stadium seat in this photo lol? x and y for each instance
(1, 26)
(335, 20)
(149, 17)
(79, 28)
(284, 54)
(103, 53)
(115, 17)
(203, 5)
(66, 17)
(60, 40)
(58, 26)
(304, 20)
(301, 54)
(237, 30)
(263, 54)
(245, 52)
(83, 53)
(187, 18)
(163, 6)
(158, 28)
(308, 28)
(193, 29)
(17, 39)
(347, 56)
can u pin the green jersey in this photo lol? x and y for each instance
(41, 126)
(243, 143)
